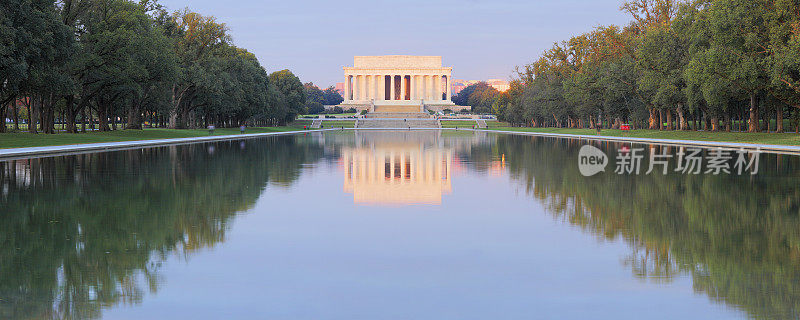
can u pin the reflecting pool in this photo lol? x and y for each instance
(394, 225)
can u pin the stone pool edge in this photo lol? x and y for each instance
(19, 153)
(772, 148)
(29, 152)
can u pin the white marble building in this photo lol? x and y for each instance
(397, 84)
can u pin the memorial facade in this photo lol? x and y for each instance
(397, 84)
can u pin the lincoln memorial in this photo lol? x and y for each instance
(397, 84)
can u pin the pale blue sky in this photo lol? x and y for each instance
(479, 39)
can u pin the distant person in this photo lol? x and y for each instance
(241, 129)
(211, 129)
(599, 123)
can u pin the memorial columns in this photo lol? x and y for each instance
(437, 85)
(355, 87)
(364, 89)
(413, 93)
(346, 93)
(375, 87)
(448, 86)
(391, 89)
(382, 86)
(402, 87)
(425, 87)
(370, 86)
(430, 87)
(423, 80)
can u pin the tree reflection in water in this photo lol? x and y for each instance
(89, 231)
(737, 236)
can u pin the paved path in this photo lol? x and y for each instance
(17, 153)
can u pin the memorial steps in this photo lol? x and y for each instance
(398, 115)
(398, 123)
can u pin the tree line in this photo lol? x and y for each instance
(702, 64)
(127, 63)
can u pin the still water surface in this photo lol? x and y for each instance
(392, 225)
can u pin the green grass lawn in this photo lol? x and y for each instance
(741, 137)
(459, 124)
(24, 139)
(339, 123)
(496, 124)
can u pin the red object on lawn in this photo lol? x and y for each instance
(625, 127)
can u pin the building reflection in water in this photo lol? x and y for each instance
(412, 168)
(397, 174)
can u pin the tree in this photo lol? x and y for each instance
(480, 96)
(313, 93)
(315, 99)
(315, 107)
(129, 62)
(676, 57)
(331, 96)
(292, 92)
(197, 40)
(156, 67)
(736, 53)
(784, 61)
(35, 44)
